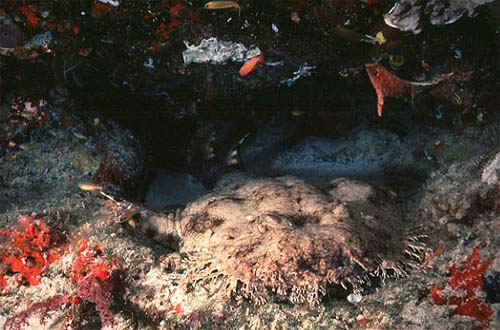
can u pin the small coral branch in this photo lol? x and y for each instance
(467, 277)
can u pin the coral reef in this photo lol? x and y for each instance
(92, 276)
(31, 143)
(406, 14)
(458, 192)
(103, 91)
(253, 237)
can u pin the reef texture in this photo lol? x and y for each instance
(460, 192)
(255, 237)
(406, 14)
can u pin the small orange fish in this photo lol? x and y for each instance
(215, 5)
(250, 65)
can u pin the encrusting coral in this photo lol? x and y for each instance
(253, 238)
(466, 279)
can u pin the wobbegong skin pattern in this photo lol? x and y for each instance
(262, 238)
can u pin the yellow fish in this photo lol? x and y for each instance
(458, 98)
(215, 5)
(89, 187)
(381, 38)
